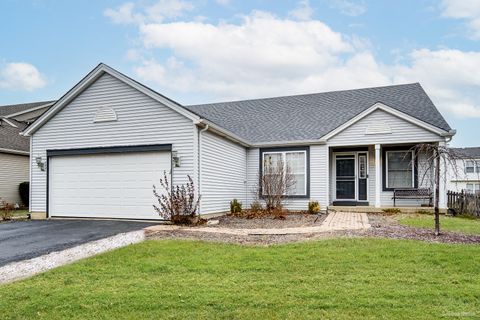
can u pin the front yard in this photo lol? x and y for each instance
(337, 279)
(454, 224)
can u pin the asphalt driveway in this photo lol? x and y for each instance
(30, 239)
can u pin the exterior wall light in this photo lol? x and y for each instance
(40, 163)
(175, 159)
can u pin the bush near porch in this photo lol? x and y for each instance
(334, 279)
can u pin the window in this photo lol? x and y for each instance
(469, 166)
(473, 188)
(296, 162)
(399, 169)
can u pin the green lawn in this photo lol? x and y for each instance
(455, 224)
(336, 279)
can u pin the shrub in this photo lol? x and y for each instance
(177, 204)
(6, 212)
(235, 206)
(256, 206)
(24, 190)
(313, 207)
(423, 211)
(392, 210)
(275, 183)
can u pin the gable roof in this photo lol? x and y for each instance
(10, 138)
(312, 116)
(90, 78)
(472, 152)
(7, 110)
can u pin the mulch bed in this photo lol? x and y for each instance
(288, 221)
(383, 226)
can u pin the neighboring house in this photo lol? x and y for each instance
(14, 148)
(465, 175)
(109, 139)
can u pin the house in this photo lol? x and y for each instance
(14, 148)
(464, 174)
(99, 149)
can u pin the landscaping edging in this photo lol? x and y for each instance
(27, 268)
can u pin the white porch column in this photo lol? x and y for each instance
(378, 176)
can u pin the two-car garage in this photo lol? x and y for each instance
(112, 182)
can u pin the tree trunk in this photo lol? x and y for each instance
(437, 192)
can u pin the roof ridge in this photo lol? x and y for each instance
(304, 94)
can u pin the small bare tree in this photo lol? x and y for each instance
(177, 204)
(276, 183)
(437, 157)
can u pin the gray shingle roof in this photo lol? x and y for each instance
(311, 116)
(14, 108)
(10, 137)
(472, 152)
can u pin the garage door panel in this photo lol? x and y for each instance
(106, 185)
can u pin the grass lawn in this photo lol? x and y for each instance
(455, 224)
(336, 279)
(17, 213)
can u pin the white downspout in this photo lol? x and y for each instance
(200, 165)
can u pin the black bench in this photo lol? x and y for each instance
(414, 194)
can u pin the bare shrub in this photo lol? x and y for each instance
(177, 204)
(6, 212)
(275, 184)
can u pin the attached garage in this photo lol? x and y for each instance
(114, 182)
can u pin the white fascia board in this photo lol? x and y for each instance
(23, 153)
(29, 110)
(384, 107)
(91, 77)
(289, 143)
(8, 122)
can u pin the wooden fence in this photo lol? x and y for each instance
(464, 203)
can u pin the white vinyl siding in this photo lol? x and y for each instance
(223, 173)
(141, 121)
(13, 171)
(318, 178)
(402, 131)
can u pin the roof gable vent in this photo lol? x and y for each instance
(380, 127)
(105, 114)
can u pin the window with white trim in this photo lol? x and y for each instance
(399, 169)
(473, 188)
(469, 166)
(296, 161)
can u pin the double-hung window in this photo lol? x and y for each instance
(473, 188)
(399, 169)
(470, 166)
(295, 161)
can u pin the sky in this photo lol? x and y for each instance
(219, 50)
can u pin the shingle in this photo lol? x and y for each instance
(10, 137)
(311, 116)
(472, 152)
(14, 108)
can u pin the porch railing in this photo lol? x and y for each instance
(464, 203)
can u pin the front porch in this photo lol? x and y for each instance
(363, 178)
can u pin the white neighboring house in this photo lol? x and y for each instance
(99, 149)
(466, 176)
(14, 148)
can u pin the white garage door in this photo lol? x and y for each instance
(117, 185)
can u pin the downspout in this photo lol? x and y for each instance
(200, 164)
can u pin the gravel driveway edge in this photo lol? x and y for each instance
(27, 268)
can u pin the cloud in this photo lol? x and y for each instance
(20, 76)
(263, 55)
(351, 8)
(468, 10)
(159, 11)
(223, 2)
(303, 11)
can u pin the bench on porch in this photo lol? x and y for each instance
(413, 194)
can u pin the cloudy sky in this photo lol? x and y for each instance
(217, 50)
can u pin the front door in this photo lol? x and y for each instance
(345, 177)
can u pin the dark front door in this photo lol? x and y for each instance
(345, 181)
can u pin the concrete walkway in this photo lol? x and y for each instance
(335, 221)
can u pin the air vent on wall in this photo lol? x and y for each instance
(105, 114)
(378, 128)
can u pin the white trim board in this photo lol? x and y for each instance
(390, 110)
(92, 77)
(30, 110)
